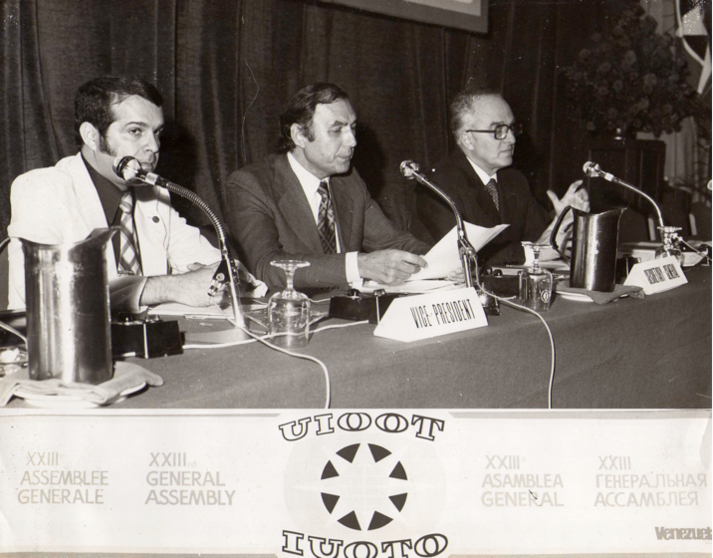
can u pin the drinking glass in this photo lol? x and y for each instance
(671, 244)
(289, 310)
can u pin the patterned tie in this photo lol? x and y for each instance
(325, 220)
(128, 256)
(492, 188)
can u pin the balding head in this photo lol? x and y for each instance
(484, 111)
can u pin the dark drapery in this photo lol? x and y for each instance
(225, 68)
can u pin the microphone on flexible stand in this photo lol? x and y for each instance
(130, 170)
(594, 170)
(669, 234)
(467, 252)
(409, 169)
(468, 255)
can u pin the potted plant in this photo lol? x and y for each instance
(631, 80)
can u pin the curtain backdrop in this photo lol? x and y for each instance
(226, 67)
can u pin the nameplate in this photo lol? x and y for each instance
(429, 315)
(655, 276)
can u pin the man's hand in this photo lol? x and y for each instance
(456, 275)
(390, 267)
(190, 288)
(577, 199)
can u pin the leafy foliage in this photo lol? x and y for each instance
(632, 79)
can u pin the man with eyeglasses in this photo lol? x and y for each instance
(486, 192)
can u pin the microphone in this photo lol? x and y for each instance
(593, 170)
(590, 168)
(131, 171)
(409, 169)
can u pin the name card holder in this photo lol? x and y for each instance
(417, 317)
(655, 276)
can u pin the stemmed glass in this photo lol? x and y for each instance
(536, 284)
(671, 245)
(289, 310)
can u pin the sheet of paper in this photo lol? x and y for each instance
(444, 258)
(423, 286)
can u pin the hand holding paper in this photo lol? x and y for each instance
(443, 258)
(389, 267)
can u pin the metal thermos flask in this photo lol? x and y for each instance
(68, 317)
(594, 249)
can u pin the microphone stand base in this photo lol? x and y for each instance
(146, 339)
(360, 307)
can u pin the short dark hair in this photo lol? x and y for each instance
(464, 102)
(300, 110)
(94, 100)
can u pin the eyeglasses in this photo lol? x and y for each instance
(500, 132)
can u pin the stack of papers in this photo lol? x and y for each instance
(442, 259)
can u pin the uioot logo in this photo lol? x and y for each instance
(364, 485)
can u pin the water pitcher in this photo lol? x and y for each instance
(594, 247)
(68, 318)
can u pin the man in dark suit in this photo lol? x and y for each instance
(308, 203)
(486, 192)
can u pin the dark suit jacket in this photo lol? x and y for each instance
(518, 208)
(270, 218)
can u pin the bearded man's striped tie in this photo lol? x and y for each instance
(129, 263)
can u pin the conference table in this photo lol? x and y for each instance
(652, 352)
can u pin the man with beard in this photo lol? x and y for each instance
(158, 257)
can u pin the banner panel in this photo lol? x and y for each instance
(361, 484)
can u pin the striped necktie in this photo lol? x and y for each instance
(129, 263)
(492, 188)
(325, 220)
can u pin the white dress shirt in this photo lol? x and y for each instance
(484, 176)
(310, 185)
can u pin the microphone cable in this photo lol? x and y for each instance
(531, 311)
(325, 370)
(264, 340)
(409, 169)
(552, 343)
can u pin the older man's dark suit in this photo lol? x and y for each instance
(270, 218)
(518, 208)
